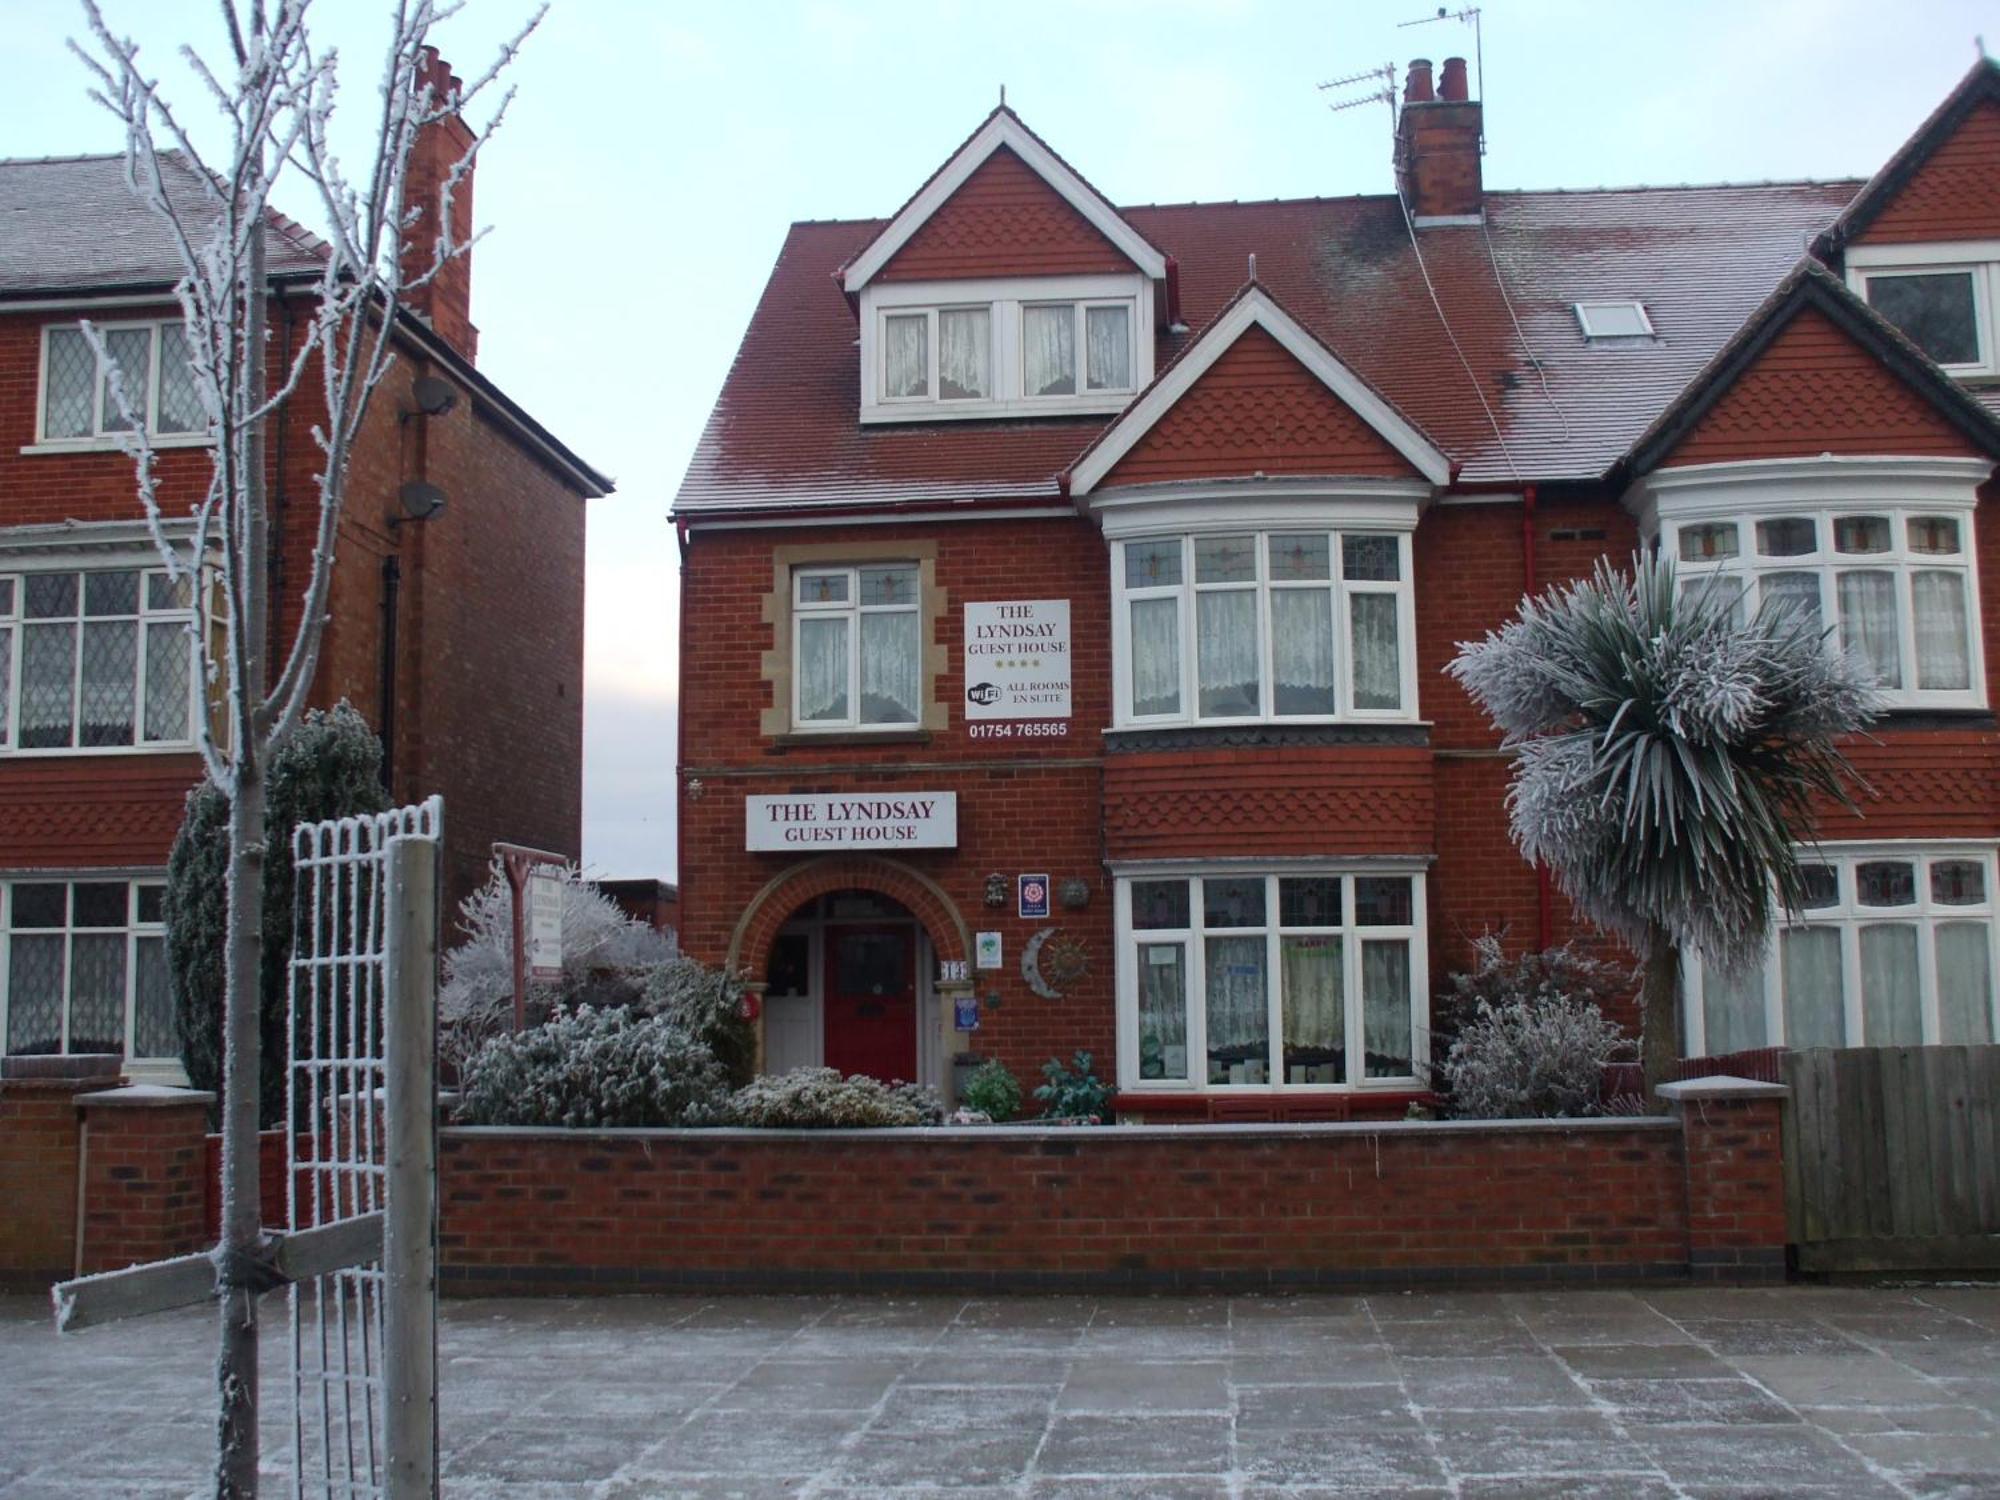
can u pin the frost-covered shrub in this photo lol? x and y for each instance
(1498, 978)
(708, 1003)
(1532, 1059)
(588, 1068)
(993, 1091)
(601, 946)
(1074, 1094)
(821, 1099)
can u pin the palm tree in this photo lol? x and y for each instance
(1668, 755)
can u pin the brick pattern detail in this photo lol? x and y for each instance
(1257, 409)
(1338, 800)
(38, 1172)
(1735, 1189)
(818, 878)
(1954, 195)
(145, 1190)
(604, 1211)
(1004, 220)
(1813, 391)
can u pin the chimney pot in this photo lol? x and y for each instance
(1453, 86)
(1417, 88)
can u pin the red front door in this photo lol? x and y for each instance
(871, 1001)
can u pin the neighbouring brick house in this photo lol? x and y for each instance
(1067, 588)
(459, 637)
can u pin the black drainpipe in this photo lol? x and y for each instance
(392, 582)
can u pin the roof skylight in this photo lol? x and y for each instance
(1614, 320)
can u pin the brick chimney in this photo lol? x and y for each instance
(445, 302)
(1438, 139)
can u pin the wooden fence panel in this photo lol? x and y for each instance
(1892, 1158)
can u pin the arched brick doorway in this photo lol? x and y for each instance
(856, 958)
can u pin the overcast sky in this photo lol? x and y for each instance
(656, 152)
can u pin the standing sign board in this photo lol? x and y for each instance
(1017, 669)
(545, 924)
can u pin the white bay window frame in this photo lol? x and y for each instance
(1190, 519)
(1977, 259)
(1007, 299)
(1194, 941)
(1849, 917)
(1829, 491)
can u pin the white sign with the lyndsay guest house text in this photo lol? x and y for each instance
(1017, 669)
(852, 820)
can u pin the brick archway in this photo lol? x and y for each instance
(791, 888)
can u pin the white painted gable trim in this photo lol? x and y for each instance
(1257, 308)
(1003, 130)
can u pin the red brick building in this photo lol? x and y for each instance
(448, 634)
(1067, 590)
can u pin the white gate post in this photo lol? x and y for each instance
(409, 1234)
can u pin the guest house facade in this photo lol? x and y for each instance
(1067, 587)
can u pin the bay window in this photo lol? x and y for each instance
(1264, 625)
(856, 647)
(1894, 947)
(1307, 979)
(83, 968)
(1891, 584)
(152, 360)
(96, 659)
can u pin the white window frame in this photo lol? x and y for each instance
(101, 437)
(1849, 917)
(14, 623)
(1007, 298)
(1978, 258)
(157, 1069)
(1586, 311)
(1414, 933)
(1830, 489)
(851, 609)
(1403, 589)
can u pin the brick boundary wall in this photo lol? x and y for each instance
(39, 1141)
(145, 1176)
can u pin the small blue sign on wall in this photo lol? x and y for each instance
(965, 1012)
(1034, 894)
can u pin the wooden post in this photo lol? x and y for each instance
(409, 1236)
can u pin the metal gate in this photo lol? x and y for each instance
(361, 1101)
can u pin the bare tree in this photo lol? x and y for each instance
(275, 91)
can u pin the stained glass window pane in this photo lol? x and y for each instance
(1886, 882)
(1958, 882)
(1225, 559)
(97, 992)
(131, 352)
(34, 992)
(1163, 1010)
(1370, 559)
(1151, 565)
(180, 403)
(1708, 543)
(1788, 536)
(70, 382)
(154, 1033)
(1237, 902)
(1239, 1017)
(1934, 536)
(1300, 559)
(110, 678)
(1309, 901)
(48, 666)
(1312, 987)
(169, 671)
(1822, 883)
(889, 586)
(1382, 901)
(1160, 905)
(1387, 1049)
(822, 588)
(1861, 534)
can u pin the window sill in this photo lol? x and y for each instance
(1937, 718)
(1412, 733)
(115, 445)
(801, 738)
(1097, 404)
(59, 752)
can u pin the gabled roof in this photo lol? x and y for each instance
(1979, 86)
(1002, 128)
(1811, 285)
(1253, 307)
(73, 224)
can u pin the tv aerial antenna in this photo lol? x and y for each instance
(1378, 85)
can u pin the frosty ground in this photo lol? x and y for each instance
(1637, 1395)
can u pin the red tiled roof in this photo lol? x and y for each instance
(785, 433)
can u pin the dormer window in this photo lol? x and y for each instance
(1027, 346)
(1941, 296)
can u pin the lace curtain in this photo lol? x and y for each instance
(48, 666)
(1162, 1010)
(1315, 1007)
(1302, 651)
(889, 667)
(1891, 1009)
(1868, 623)
(1814, 1014)
(1732, 1007)
(1107, 336)
(1944, 656)
(1965, 984)
(1048, 350)
(1385, 1009)
(1226, 652)
(1156, 656)
(907, 349)
(1239, 1025)
(1377, 672)
(822, 669)
(964, 342)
